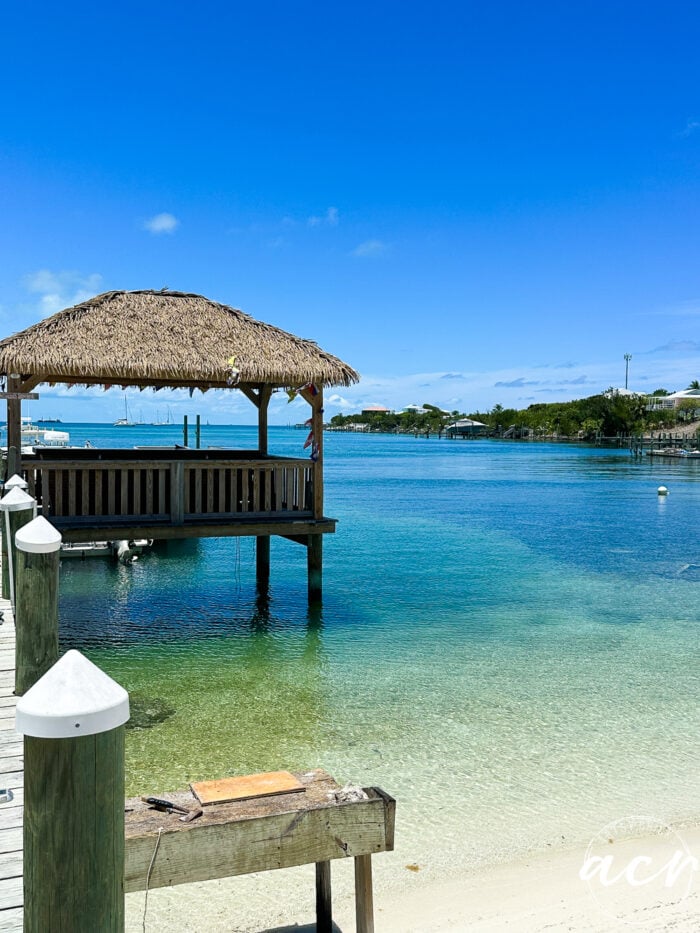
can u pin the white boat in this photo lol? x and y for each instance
(34, 436)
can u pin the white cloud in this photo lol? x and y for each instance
(58, 290)
(161, 223)
(690, 127)
(330, 219)
(370, 248)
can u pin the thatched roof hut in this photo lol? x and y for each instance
(166, 338)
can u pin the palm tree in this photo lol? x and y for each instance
(694, 384)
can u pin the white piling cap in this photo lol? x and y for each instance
(662, 491)
(73, 698)
(38, 537)
(16, 500)
(14, 482)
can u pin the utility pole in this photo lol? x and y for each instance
(628, 357)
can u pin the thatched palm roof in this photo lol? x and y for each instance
(165, 338)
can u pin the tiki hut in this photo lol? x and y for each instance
(168, 339)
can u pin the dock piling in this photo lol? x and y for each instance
(73, 725)
(37, 550)
(18, 508)
(14, 482)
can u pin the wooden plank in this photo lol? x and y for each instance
(245, 505)
(136, 479)
(149, 491)
(289, 491)
(10, 893)
(162, 508)
(11, 865)
(99, 474)
(11, 920)
(124, 492)
(210, 490)
(10, 840)
(85, 492)
(72, 483)
(48, 506)
(177, 493)
(111, 491)
(226, 526)
(266, 504)
(222, 490)
(19, 396)
(225, 790)
(255, 479)
(10, 764)
(58, 508)
(197, 493)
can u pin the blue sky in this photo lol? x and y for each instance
(472, 204)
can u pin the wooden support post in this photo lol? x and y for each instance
(36, 612)
(14, 482)
(198, 433)
(17, 509)
(263, 402)
(185, 433)
(14, 426)
(324, 909)
(364, 906)
(262, 561)
(73, 799)
(314, 560)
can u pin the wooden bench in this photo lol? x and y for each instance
(261, 834)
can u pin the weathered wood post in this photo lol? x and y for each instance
(73, 725)
(198, 432)
(14, 482)
(185, 433)
(18, 508)
(37, 546)
(314, 562)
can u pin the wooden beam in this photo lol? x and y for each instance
(250, 394)
(28, 383)
(250, 835)
(21, 396)
(101, 527)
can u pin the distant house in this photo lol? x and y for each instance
(377, 410)
(673, 401)
(466, 427)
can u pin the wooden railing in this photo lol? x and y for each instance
(172, 491)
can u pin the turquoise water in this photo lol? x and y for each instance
(508, 641)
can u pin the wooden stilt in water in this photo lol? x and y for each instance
(324, 910)
(262, 561)
(364, 904)
(314, 558)
(74, 799)
(36, 601)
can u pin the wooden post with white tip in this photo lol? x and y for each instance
(73, 725)
(37, 547)
(14, 482)
(18, 508)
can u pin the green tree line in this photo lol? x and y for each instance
(608, 414)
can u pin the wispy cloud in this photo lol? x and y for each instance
(331, 218)
(690, 127)
(58, 290)
(161, 223)
(518, 383)
(370, 248)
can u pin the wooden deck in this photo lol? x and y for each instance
(11, 777)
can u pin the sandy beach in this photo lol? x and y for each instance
(532, 895)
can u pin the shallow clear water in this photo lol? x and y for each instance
(508, 641)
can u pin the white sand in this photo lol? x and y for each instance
(533, 895)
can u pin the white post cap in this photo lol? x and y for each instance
(73, 698)
(16, 500)
(38, 537)
(16, 481)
